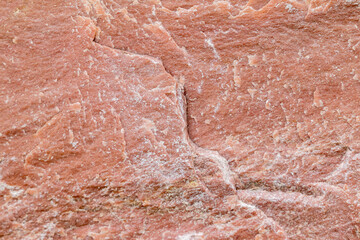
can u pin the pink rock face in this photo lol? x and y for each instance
(195, 119)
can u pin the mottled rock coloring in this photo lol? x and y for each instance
(150, 119)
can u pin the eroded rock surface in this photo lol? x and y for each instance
(196, 119)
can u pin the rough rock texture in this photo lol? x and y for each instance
(196, 119)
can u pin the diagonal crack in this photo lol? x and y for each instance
(228, 189)
(220, 161)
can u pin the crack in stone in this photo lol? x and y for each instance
(219, 160)
(131, 53)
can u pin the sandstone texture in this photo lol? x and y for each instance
(186, 120)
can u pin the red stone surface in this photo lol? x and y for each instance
(196, 119)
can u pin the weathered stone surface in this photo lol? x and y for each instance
(195, 119)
